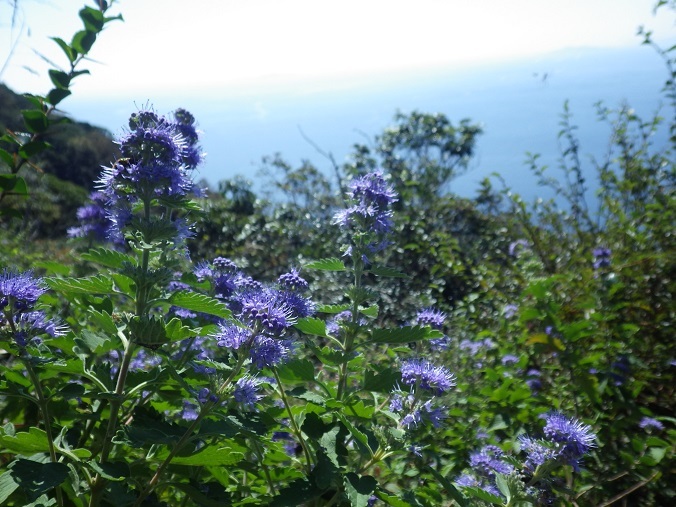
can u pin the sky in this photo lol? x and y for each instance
(245, 46)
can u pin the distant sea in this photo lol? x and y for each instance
(518, 104)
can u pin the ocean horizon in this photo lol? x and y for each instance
(518, 104)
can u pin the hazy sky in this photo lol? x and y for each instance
(239, 45)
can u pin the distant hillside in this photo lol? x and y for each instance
(78, 149)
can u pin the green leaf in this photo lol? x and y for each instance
(59, 78)
(96, 343)
(148, 331)
(69, 51)
(111, 470)
(99, 284)
(382, 382)
(103, 320)
(32, 148)
(107, 257)
(449, 487)
(359, 489)
(31, 441)
(297, 492)
(393, 500)
(388, 272)
(297, 369)
(92, 19)
(358, 435)
(312, 325)
(406, 334)
(35, 120)
(483, 495)
(221, 454)
(370, 311)
(199, 303)
(13, 183)
(83, 41)
(333, 308)
(36, 478)
(56, 95)
(176, 331)
(329, 264)
(7, 486)
(8, 159)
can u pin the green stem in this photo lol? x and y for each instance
(43, 403)
(294, 424)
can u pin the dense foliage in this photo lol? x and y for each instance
(363, 338)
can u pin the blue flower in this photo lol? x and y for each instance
(601, 257)
(292, 281)
(267, 352)
(649, 422)
(246, 391)
(21, 290)
(231, 336)
(573, 438)
(431, 317)
(430, 377)
(93, 219)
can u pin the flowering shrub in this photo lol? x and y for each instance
(142, 374)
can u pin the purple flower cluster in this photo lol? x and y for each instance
(601, 257)
(19, 293)
(426, 381)
(420, 372)
(158, 156)
(435, 319)
(370, 213)
(93, 219)
(649, 422)
(565, 442)
(266, 314)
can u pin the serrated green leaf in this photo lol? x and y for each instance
(358, 435)
(392, 500)
(312, 325)
(199, 303)
(107, 257)
(482, 495)
(406, 334)
(31, 441)
(103, 320)
(329, 264)
(333, 308)
(99, 284)
(97, 343)
(176, 331)
(7, 486)
(370, 311)
(215, 455)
